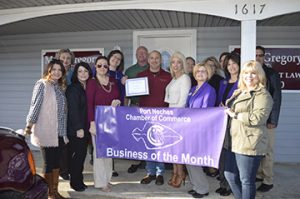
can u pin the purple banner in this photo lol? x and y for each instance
(174, 135)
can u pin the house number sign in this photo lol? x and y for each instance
(249, 9)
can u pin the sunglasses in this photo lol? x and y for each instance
(102, 65)
(260, 55)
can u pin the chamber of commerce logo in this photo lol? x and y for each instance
(156, 136)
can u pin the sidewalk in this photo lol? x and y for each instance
(286, 186)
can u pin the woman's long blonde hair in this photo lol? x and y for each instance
(180, 56)
(254, 67)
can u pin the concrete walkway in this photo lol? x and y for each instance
(286, 186)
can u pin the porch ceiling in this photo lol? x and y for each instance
(120, 19)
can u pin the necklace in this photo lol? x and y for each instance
(104, 82)
(106, 90)
(196, 90)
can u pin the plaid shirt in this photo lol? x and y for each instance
(36, 103)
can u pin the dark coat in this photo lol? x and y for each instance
(214, 81)
(77, 109)
(274, 88)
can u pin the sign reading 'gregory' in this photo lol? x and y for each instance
(286, 61)
(174, 135)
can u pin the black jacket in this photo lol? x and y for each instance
(214, 81)
(77, 110)
(274, 87)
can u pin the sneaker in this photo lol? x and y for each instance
(147, 179)
(264, 187)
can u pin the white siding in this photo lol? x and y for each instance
(20, 67)
(213, 41)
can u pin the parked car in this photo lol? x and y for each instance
(18, 178)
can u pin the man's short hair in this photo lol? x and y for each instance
(260, 48)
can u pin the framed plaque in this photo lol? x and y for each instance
(137, 86)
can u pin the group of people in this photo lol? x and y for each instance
(62, 113)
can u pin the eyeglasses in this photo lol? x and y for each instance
(260, 55)
(102, 65)
(201, 71)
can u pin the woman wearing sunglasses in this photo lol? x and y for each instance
(102, 90)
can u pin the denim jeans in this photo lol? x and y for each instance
(155, 168)
(240, 172)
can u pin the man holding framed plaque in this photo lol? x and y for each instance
(132, 72)
(158, 79)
